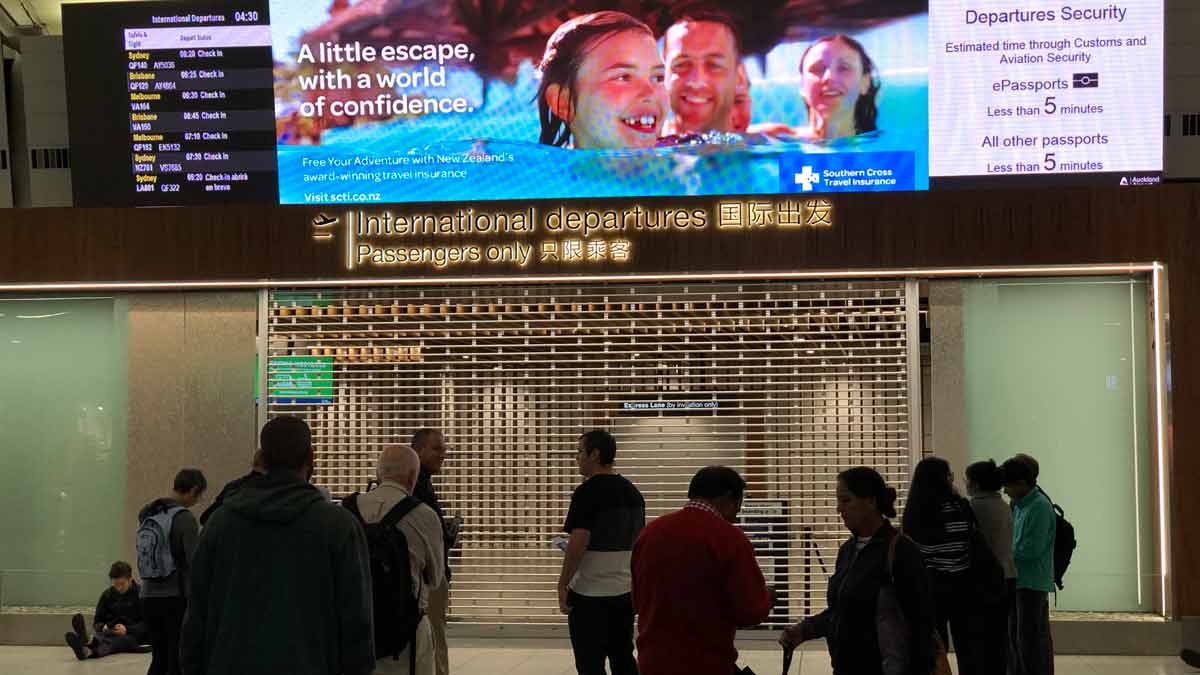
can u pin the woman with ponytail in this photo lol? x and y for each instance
(875, 559)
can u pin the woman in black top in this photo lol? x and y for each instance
(865, 502)
(940, 522)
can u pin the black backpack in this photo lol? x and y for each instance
(397, 611)
(1064, 542)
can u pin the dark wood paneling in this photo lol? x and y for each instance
(1056, 226)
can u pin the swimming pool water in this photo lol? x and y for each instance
(419, 151)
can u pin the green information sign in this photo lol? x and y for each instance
(300, 379)
(301, 299)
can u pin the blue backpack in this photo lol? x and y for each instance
(153, 545)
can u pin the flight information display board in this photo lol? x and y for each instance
(369, 101)
(170, 104)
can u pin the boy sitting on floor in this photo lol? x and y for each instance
(120, 625)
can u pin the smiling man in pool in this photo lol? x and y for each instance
(702, 50)
(602, 84)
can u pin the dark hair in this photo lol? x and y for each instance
(1033, 463)
(864, 482)
(929, 489)
(712, 482)
(120, 570)
(190, 479)
(422, 436)
(564, 55)
(986, 475)
(865, 109)
(1015, 470)
(707, 13)
(599, 439)
(286, 443)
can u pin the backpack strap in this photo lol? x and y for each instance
(891, 557)
(401, 509)
(1048, 497)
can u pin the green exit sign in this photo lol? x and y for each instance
(300, 379)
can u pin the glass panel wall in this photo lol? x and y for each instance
(102, 401)
(1059, 369)
(63, 440)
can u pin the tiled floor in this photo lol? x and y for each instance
(499, 660)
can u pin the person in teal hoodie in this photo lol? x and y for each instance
(281, 577)
(1031, 649)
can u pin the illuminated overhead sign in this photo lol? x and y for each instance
(474, 239)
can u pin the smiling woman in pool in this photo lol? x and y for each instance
(602, 84)
(838, 82)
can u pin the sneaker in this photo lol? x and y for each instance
(76, 646)
(80, 628)
(1190, 657)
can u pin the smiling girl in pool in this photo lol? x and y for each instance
(602, 84)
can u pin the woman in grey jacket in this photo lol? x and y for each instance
(994, 519)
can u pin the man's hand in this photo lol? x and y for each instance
(576, 548)
(562, 600)
(119, 629)
(793, 635)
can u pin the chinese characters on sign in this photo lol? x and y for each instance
(788, 213)
(593, 250)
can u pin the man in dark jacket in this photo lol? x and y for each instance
(281, 581)
(119, 623)
(164, 599)
(258, 469)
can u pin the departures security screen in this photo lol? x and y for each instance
(382, 101)
(1046, 89)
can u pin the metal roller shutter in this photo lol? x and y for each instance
(786, 382)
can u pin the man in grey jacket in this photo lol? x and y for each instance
(164, 600)
(397, 472)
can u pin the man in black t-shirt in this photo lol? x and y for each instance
(606, 515)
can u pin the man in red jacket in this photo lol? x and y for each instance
(695, 581)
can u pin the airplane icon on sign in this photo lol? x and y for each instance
(321, 225)
(807, 178)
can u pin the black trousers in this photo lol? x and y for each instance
(602, 628)
(1031, 649)
(164, 618)
(958, 615)
(107, 643)
(995, 643)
